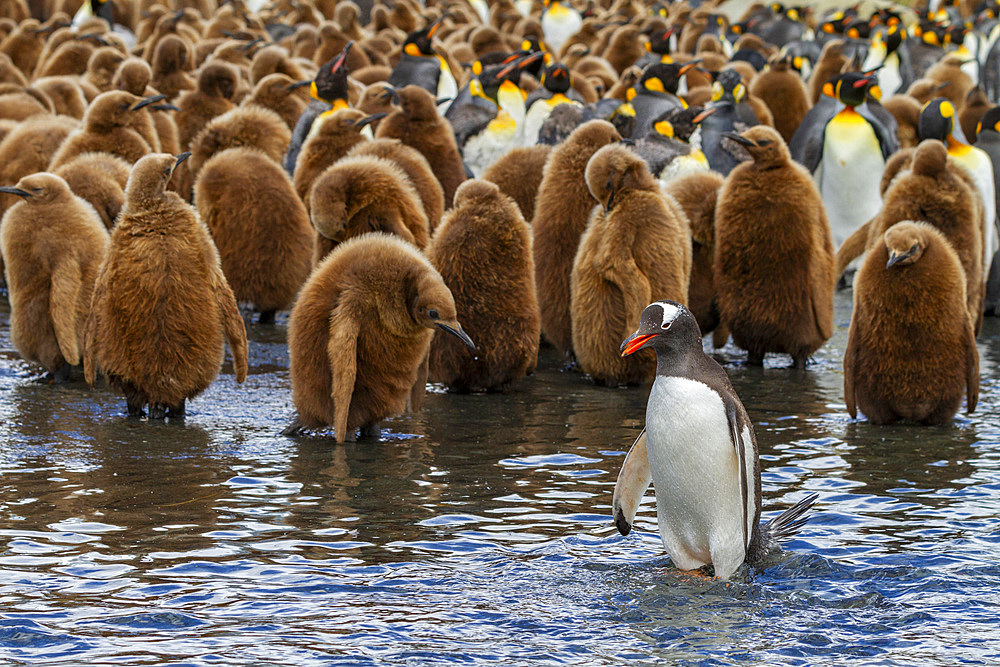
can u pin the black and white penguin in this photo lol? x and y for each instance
(420, 65)
(700, 452)
(329, 92)
(656, 93)
(988, 141)
(556, 89)
(560, 21)
(890, 55)
(731, 113)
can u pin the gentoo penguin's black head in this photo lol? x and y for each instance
(667, 327)
(330, 83)
(937, 120)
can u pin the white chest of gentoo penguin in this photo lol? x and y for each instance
(700, 452)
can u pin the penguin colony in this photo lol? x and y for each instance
(651, 172)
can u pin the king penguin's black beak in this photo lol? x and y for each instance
(11, 190)
(180, 158)
(442, 100)
(146, 101)
(457, 332)
(739, 138)
(299, 84)
(368, 120)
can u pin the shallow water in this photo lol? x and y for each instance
(479, 530)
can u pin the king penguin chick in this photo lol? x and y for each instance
(782, 90)
(100, 179)
(416, 123)
(483, 252)
(562, 210)
(53, 243)
(700, 451)
(110, 125)
(161, 303)
(259, 226)
(213, 97)
(364, 194)
(277, 93)
(518, 174)
(359, 333)
(332, 136)
(911, 351)
(637, 247)
(769, 213)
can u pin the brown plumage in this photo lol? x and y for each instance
(70, 58)
(170, 65)
(22, 103)
(696, 193)
(53, 243)
(948, 70)
(249, 126)
(931, 192)
(911, 351)
(624, 48)
(161, 303)
(275, 60)
(276, 92)
(365, 194)
(133, 75)
(66, 95)
(786, 96)
(636, 249)
(101, 67)
(24, 45)
(9, 73)
(259, 225)
(831, 62)
(332, 134)
(518, 174)
(111, 125)
(100, 179)
(29, 148)
(975, 107)
(906, 111)
(213, 97)
(416, 168)
(924, 90)
(562, 209)
(359, 333)
(483, 252)
(417, 123)
(769, 213)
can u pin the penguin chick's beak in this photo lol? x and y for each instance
(442, 100)
(390, 92)
(298, 84)
(368, 120)
(146, 101)
(164, 107)
(11, 190)
(455, 330)
(740, 139)
(180, 158)
(634, 343)
(897, 257)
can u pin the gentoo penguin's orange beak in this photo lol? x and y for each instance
(634, 342)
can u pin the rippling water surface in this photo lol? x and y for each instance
(479, 530)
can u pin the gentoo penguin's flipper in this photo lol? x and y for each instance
(66, 284)
(851, 248)
(972, 369)
(633, 480)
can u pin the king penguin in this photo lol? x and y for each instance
(656, 93)
(329, 92)
(700, 452)
(556, 89)
(889, 55)
(988, 140)
(559, 22)
(420, 65)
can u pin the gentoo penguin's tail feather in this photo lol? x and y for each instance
(784, 526)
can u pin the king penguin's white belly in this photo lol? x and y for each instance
(695, 474)
(977, 162)
(851, 171)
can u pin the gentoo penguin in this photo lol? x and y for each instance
(53, 243)
(329, 91)
(420, 65)
(560, 21)
(637, 246)
(161, 304)
(359, 333)
(483, 252)
(700, 451)
(769, 213)
(847, 164)
(911, 275)
(937, 121)
(988, 141)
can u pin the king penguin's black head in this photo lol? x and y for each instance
(664, 77)
(851, 88)
(990, 122)
(556, 78)
(418, 43)
(664, 326)
(937, 120)
(103, 9)
(331, 80)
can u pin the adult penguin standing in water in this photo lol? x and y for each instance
(700, 451)
(329, 91)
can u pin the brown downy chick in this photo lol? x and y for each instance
(275, 60)
(100, 179)
(170, 65)
(365, 194)
(213, 96)
(9, 73)
(161, 305)
(786, 96)
(259, 225)
(359, 333)
(562, 209)
(518, 174)
(906, 111)
(696, 193)
(278, 93)
(911, 351)
(417, 123)
(636, 249)
(250, 126)
(415, 166)
(483, 252)
(332, 135)
(29, 148)
(976, 106)
(111, 124)
(769, 213)
(24, 46)
(70, 58)
(624, 48)
(932, 192)
(17, 103)
(53, 243)
(133, 75)
(924, 90)
(66, 95)
(831, 63)
(102, 66)
(948, 73)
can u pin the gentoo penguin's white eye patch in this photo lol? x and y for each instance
(670, 313)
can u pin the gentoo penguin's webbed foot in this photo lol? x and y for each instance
(266, 317)
(372, 430)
